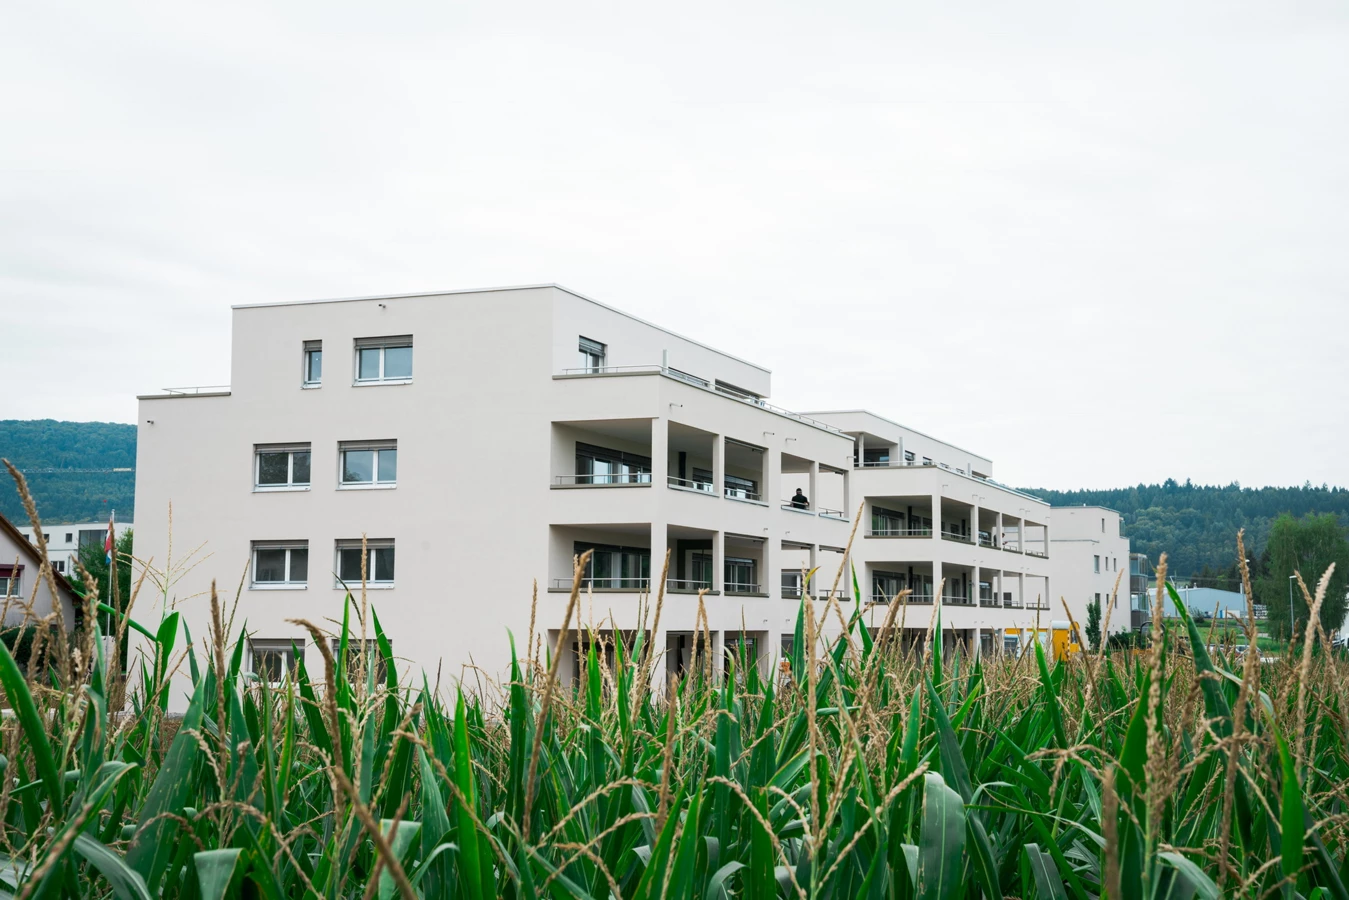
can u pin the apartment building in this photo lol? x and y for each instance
(1092, 562)
(480, 440)
(66, 542)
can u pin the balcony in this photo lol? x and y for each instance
(698, 486)
(607, 479)
(735, 492)
(688, 586)
(605, 584)
(956, 600)
(744, 589)
(956, 536)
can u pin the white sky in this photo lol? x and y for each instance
(1101, 247)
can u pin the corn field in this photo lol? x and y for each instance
(855, 769)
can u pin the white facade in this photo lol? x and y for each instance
(20, 563)
(1091, 562)
(64, 541)
(481, 439)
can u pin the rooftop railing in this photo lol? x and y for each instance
(196, 389)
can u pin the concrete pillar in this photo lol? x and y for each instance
(974, 588)
(1001, 538)
(976, 636)
(936, 581)
(974, 523)
(847, 495)
(718, 560)
(770, 579)
(660, 451)
(1046, 526)
(658, 540)
(719, 473)
(1021, 537)
(861, 449)
(1021, 589)
(936, 516)
(813, 487)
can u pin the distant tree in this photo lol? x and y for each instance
(95, 562)
(1094, 624)
(1308, 546)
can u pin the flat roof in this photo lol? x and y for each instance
(516, 287)
(867, 412)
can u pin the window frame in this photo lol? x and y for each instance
(11, 582)
(292, 655)
(306, 368)
(375, 447)
(593, 357)
(290, 450)
(1097, 564)
(287, 584)
(371, 646)
(383, 345)
(371, 546)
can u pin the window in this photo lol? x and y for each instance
(1097, 564)
(1114, 564)
(599, 465)
(741, 576)
(1098, 599)
(700, 565)
(384, 360)
(280, 564)
(313, 363)
(618, 568)
(92, 537)
(876, 457)
(592, 355)
(280, 467)
(927, 460)
(273, 661)
(368, 463)
(886, 521)
(9, 582)
(741, 488)
(1103, 526)
(69, 537)
(360, 656)
(885, 586)
(59, 565)
(791, 584)
(702, 479)
(908, 457)
(379, 563)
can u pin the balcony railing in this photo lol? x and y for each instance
(989, 602)
(986, 540)
(826, 593)
(798, 507)
(791, 592)
(900, 532)
(604, 479)
(687, 484)
(956, 536)
(606, 584)
(1011, 604)
(1040, 553)
(742, 587)
(957, 601)
(827, 513)
(735, 493)
(687, 585)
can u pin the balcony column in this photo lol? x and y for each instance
(847, 494)
(936, 581)
(976, 637)
(718, 472)
(658, 545)
(814, 486)
(1021, 589)
(861, 450)
(660, 453)
(718, 561)
(936, 516)
(974, 523)
(1001, 538)
(770, 579)
(1046, 526)
(1021, 536)
(974, 589)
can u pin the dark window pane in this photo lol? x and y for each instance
(349, 565)
(273, 468)
(369, 363)
(383, 564)
(358, 466)
(299, 566)
(269, 665)
(398, 362)
(315, 373)
(269, 566)
(300, 467)
(388, 465)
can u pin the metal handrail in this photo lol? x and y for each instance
(826, 593)
(688, 484)
(613, 583)
(792, 593)
(196, 389)
(741, 494)
(691, 585)
(987, 541)
(956, 601)
(742, 587)
(956, 536)
(989, 602)
(789, 505)
(1040, 553)
(833, 513)
(1012, 604)
(914, 599)
(900, 532)
(611, 478)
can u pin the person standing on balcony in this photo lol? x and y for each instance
(800, 501)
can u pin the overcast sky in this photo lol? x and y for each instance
(1099, 247)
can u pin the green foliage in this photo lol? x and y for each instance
(68, 465)
(898, 777)
(1094, 624)
(1194, 524)
(1308, 545)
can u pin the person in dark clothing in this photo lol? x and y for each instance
(800, 501)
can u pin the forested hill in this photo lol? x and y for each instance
(69, 468)
(1196, 525)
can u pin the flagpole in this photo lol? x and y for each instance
(112, 553)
